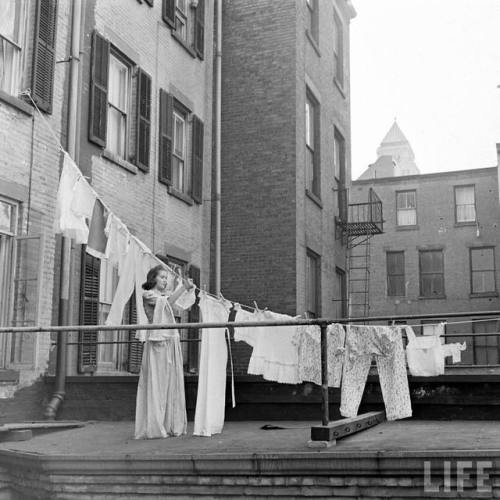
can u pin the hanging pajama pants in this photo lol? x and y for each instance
(211, 396)
(386, 345)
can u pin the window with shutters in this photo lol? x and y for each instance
(99, 281)
(180, 167)
(118, 102)
(313, 283)
(13, 15)
(465, 204)
(406, 208)
(482, 269)
(338, 49)
(120, 106)
(312, 135)
(313, 19)
(395, 262)
(431, 273)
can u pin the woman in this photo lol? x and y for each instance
(161, 403)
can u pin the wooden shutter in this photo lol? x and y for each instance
(194, 317)
(98, 90)
(168, 12)
(143, 129)
(199, 29)
(135, 348)
(166, 137)
(44, 54)
(89, 313)
(197, 159)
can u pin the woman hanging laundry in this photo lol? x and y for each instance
(161, 402)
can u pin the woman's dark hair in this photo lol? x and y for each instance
(151, 277)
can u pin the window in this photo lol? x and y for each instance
(181, 21)
(118, 98)
(465, 204)
(313, 278)
(111, 125)
(342, 310)
(12, 29)
(406, 208)
(183, 176)
(179, 172)
(312, 145)
(486, 348)
(431, 273)
(396, 274)
(482, 267)
(312, 19)
(338, 50)
(340, 173)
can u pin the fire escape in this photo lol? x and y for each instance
(356, 226)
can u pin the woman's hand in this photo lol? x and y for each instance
(188, 283)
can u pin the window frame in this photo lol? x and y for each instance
(338, 51)
(16, 80)
(475, 345)
(421, 274)
(181, 111)
(398, 209)
(115, 54)
(181, 16)
(472, 271)
(465, 222)
(312, 7)
(315, 260)
(313, 172)
(343, 299)
(388, 275)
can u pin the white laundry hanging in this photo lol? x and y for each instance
(211, 395)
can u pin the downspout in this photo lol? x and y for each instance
(218, 114)
(65, 279)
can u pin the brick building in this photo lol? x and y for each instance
(143, 140)
(285, 152)
(29, 173)
(438, 253)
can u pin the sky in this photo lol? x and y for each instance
(434, 65)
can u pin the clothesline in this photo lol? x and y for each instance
(54, 136)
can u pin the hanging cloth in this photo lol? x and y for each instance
(425, 353)
(74, 203)
(98, 240)
(308, 340)
(275, 356)
(211, 395)
(385, 344)
(118, 241)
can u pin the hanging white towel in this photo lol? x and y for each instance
(425, 353)
(245, 334)
(211, 396)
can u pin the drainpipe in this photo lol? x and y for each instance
(65, 280)
(218, 113)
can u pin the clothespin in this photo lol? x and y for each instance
(306, 315)
(256, 306)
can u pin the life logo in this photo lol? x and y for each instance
(448, 476)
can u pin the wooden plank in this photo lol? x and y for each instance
(346, 426)
(39, 425)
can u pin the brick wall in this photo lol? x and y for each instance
(29, 173)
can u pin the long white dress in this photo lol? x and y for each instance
(161, 401)
(211, 396)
